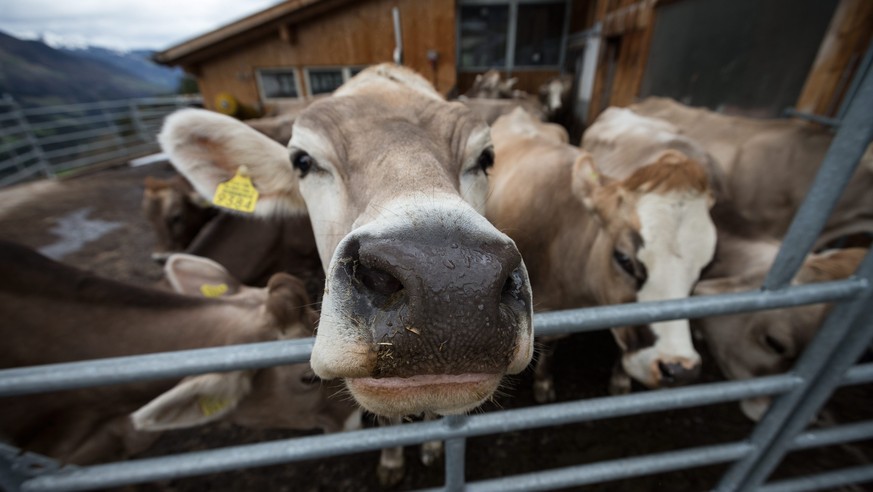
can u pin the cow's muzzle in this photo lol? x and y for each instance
(438, 311)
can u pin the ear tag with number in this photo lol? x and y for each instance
(213, 290)
(238, 193)
(210, 405)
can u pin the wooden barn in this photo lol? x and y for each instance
(764, 59)
(301, 48)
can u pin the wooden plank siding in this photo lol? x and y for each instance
(847, 38)
(361, 33)
(627, 27)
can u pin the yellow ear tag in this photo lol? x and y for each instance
(210, 405)
(213, 290)
(238, 193)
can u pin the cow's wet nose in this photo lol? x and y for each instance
(672, 373)
(440, 303)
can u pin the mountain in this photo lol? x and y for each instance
(136, 62)
(36, 74)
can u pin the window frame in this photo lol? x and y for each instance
(512, 34)
(260, 72)
(346, 71)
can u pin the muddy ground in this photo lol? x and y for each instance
(99, 215)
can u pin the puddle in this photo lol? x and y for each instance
(74, 231)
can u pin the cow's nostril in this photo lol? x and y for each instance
(378, 281)
(667, 372)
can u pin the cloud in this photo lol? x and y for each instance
(122, 24)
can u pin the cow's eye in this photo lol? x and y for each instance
(485, 160)
(775, 345)
(303, 162)
(624, 262)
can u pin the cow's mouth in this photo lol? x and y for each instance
(443, 394)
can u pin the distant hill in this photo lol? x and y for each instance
(36, 74)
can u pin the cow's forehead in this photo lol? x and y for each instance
(369, 119)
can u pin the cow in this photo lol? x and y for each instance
(591, 239)
(769, 166)
(252, 250)
(176, 213)
(426, 305)
(763, 343)
(54, 313)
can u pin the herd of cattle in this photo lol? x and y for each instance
(428, 240)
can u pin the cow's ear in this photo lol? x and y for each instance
(587, 180)
(194, 401)
(210, 148)
(198, 276)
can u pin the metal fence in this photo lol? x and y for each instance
(799, 394)
(47, 141)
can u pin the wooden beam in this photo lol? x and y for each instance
(844, 44)
(288, 34)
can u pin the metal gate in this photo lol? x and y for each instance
(846, 333)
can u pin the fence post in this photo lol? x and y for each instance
(21, 118)
(136, 118)
(116, 133)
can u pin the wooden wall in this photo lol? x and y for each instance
(627, 32)
(844, 45)
(358, 34)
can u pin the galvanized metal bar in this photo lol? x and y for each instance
(835, 435)
(455, 449)
(822, 120)
(859, 375)
(170, 101)
(863, 68)
(22, 122)
(615, 469)
(571, 321)
(845, 334)
(837, 168)
(829, 480)
(17, 466)
(178, 364)
(276, 452)
(53, 377)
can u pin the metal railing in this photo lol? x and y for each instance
(48, 141)
(799, 394)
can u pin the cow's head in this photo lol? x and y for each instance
(426, 305)
(176, 213)
(763, 343)
(280, 397)
(656, 236)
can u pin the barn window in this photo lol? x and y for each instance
(324, 80)
(511, 34)
(278, 83)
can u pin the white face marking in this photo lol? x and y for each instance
(324, 191)
(474, 183)
(679, 240)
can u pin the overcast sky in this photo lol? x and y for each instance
(121, 24)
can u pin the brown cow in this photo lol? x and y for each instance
(251, 249)
(589, 239)
(762, 343)
(176, 213)
(427, 306)
(769, 166)
(54, 313)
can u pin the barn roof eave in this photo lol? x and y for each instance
(285, 12)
